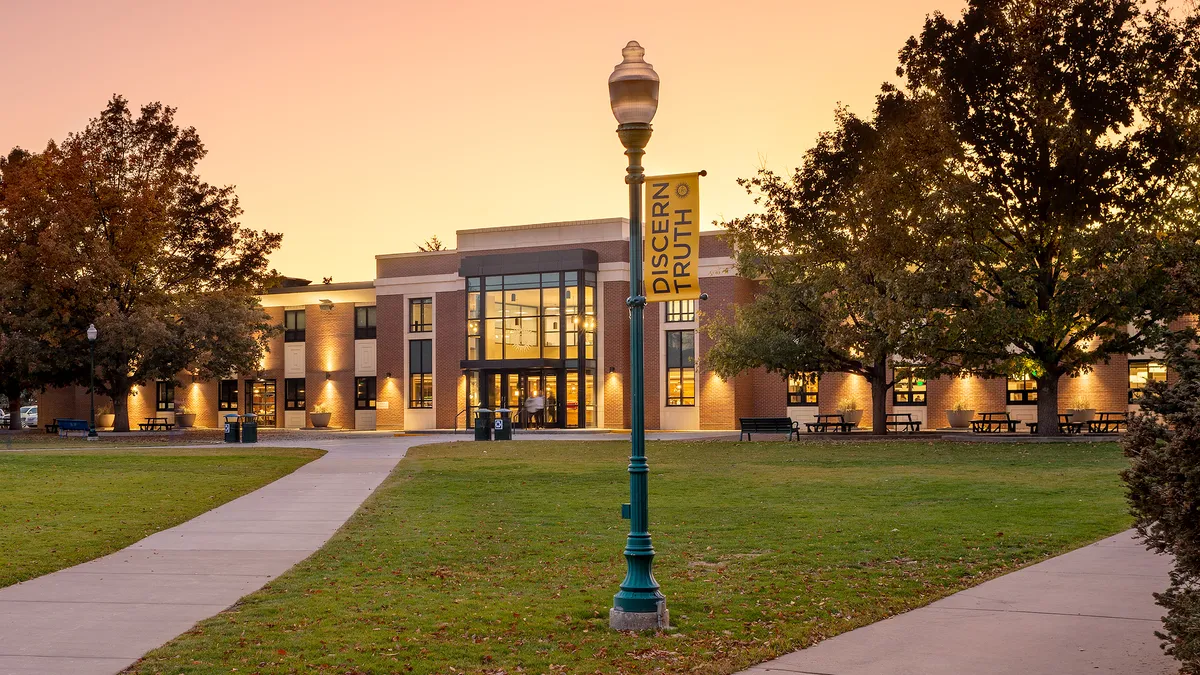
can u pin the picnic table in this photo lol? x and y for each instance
(826, 423)
(902, 422)
(993, 422)
(768, 425)
(1065, 425)
(156, 424)
(1108, 422)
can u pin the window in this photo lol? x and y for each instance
(164, 396)
(1022, 389)
(1141, 373)
(681, 368)
(420, 374)
(364, 393)
(909, 386)
(227, 395)
(802, 389)
(293, 325)
(681, 310)
(293, 393)
(364, 323)
(420, 315)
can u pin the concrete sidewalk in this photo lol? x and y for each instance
(101, 616)
(1088, 611)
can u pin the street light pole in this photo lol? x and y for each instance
(91, 336)
(633, 92)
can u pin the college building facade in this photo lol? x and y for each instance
(529, 311)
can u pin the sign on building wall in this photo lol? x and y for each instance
(671, 252)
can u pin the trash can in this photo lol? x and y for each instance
(250, 428)
(483, 424)
(232, 428)
(503, 426)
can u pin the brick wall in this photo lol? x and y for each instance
(835, 387)
(450, 325)
(1105, 387)
(390, 357)
(651, 365)
(328, 348)
(616, 354)
(979, 394)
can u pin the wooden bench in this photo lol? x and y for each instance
(993, 422)
(1108, 422)
(825, 423)
(156, 424)
(1065, 425)
(64, 427)
(768, 425)
(52, 428)
(902, 422)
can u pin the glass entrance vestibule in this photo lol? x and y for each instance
(531, 347)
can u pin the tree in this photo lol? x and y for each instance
(1163, 445)
(1069, 195)
(171, 274)
(842, 282)
(432, 244)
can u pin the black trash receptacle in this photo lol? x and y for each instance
(250, 428)
(483, 424)
(232, 428)
(503, 425)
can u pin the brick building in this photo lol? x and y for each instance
(539, 310)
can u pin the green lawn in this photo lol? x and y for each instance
(61, 508)
(503, 558)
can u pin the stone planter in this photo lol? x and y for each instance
(185, 420)
(1083, 415)
(851, 416)
(320, 420)
(106, 420)
(960, 419)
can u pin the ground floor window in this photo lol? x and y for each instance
(293, 393)
(420, 374)
(1022, 389)
(364, 393)
(164, 396)
(681, 368)
(908, 386)
(227, 395)
(802, 389)
(1142, 373)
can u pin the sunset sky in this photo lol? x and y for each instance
(357, 128)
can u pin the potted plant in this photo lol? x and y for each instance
(1083, 410)
(319, 415)
(960, 414)
(185, 417)
(105, 417)
(850, 410)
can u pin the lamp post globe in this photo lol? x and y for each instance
(633, 94)
(92, 333)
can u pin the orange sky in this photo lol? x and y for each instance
(358, 128)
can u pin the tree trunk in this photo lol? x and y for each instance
(879, 390)
(14, 409)
(120, 402)
(1047, 405)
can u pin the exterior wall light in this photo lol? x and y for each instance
(328, 376)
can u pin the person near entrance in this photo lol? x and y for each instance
(534, 405)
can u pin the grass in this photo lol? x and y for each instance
(503, 558)
(61, 508)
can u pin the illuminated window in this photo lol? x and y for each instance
(164, 396)
(364, 323)
(1142, 373)
(681, 310)
(420, 315)
(1022, 389)
(909, 386)
(802, 389)
(681, 368)
(420, 374)
(293, 393)
(227, 395)
(293, 325)
(364, 393)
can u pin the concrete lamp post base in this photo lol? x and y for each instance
(621, 620)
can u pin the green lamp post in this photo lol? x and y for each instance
(633, 92)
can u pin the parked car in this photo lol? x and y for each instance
(3, 418)
(29, 416)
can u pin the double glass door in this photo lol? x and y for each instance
(260, 400)
(535, 397)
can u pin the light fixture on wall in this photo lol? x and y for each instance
(327, 375)
(389, 375)
(612, 369)
(326, 305)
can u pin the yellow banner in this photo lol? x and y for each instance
(671, 252)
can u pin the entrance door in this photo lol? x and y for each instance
(260, 400)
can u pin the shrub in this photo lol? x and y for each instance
(1163, 481)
